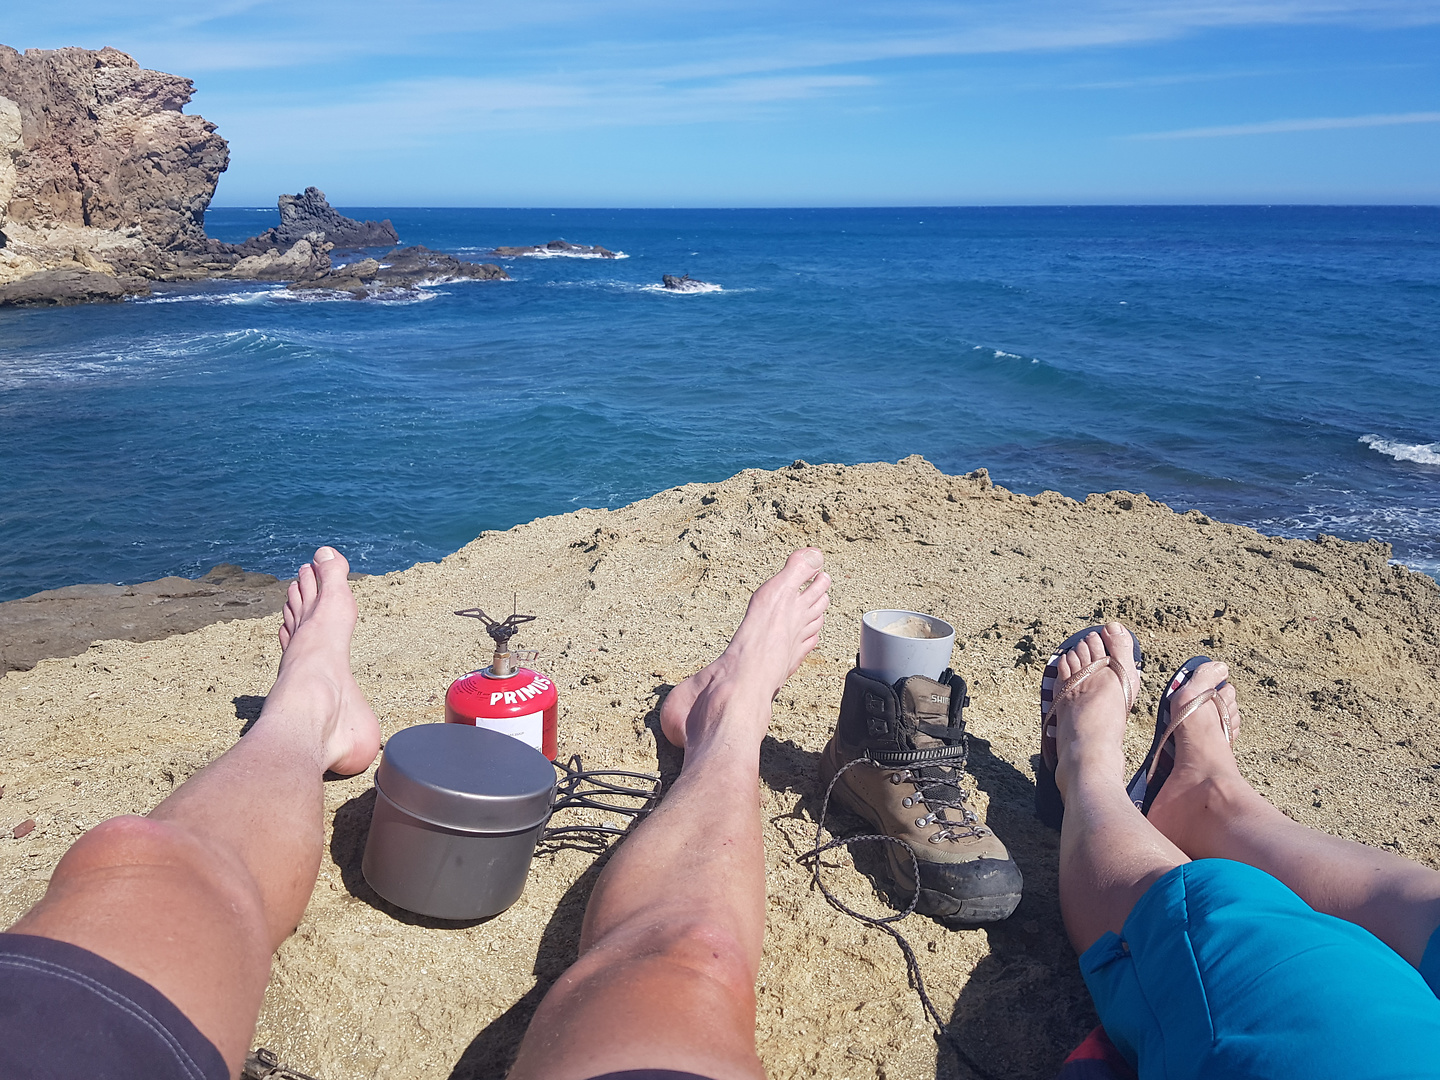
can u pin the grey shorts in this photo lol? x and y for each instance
(66, 1013)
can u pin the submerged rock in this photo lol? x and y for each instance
(309, 212)
(684, 284)
(403, 268)
(557, 247)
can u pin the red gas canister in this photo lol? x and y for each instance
(513, 700)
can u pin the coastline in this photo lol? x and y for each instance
(1332, 650)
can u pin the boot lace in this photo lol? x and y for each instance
(937, 788)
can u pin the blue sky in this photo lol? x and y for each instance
(701, 103)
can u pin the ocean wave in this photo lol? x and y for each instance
(156, 355)
(246, 296)
(279, 294)
(1420, 453)
(697, 288)
(567, 255)
(489, 253)
(636, 287)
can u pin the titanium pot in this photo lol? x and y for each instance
(458, 811)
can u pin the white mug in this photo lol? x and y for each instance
(895, 643)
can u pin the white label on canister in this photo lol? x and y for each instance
(529, 729)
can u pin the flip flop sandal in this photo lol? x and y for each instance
(1049, 807)
(1156, 767)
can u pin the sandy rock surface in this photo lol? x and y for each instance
(1332, 649)
(63, 622)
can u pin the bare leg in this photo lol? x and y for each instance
(671, 944)
(1208, 809)
(195, 897)
(1109, 854)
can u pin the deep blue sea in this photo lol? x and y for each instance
(1276, 366)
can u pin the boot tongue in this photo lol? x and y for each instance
(922, 701)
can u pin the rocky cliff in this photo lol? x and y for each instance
(104, 180)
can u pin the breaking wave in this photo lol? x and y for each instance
(1420, 453)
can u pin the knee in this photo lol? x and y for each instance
(694, 947)
(126, 841)
(160, 852)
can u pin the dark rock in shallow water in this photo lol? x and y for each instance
(684, 284)
(69, 286)
(557, 247)
(308, 213)
(403, 268)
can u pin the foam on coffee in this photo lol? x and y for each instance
(912, 626)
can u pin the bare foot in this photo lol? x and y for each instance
(1090, 719)
(315, 686)
(781, 625)
(1203, 757)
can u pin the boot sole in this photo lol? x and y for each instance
(951, 911)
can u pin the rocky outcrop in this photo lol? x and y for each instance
(309, 212)
(307, 257)
(67, 285)
(684, 284)
(107, 164)
(403, 268)
(63, 622)
(558, 247)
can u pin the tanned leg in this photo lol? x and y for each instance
(1109, 854)
(195, 897)
(1209, 811)
(670, 947)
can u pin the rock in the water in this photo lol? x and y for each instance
(557, 247)
(403, 268)
(96, 157)
(308, 257)
(684, 284)
(309, 212)
(69, 285)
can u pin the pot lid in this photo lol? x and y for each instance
(464, 777)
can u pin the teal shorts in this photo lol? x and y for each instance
(1222, 971)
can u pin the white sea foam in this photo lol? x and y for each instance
(247, 296)
(570, 255)
(695, 288)
(1420, 453)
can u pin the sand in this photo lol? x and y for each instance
(1333, 652)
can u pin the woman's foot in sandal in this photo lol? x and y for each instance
(1090, 712)
(1101, 656)
(1204, 767)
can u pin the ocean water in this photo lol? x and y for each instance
(1276, 366)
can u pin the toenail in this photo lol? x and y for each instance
(325, 554)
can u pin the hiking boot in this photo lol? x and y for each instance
(908, 748)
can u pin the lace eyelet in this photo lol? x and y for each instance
(907, 802)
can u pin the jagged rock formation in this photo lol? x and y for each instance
(310, 212)
(104, 183)
(107, 177)
(557, 247)
(307, 257)
(403, 268)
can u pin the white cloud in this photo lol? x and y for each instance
(1317, 123)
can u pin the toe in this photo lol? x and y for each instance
(305, 581)
(329, 566)
(802, 564)
(1120, 644)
